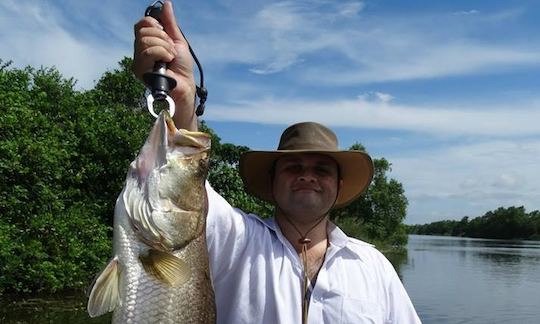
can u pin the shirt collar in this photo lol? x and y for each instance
(272, 225)
(270, 222)
(340, 240)
(336, 236)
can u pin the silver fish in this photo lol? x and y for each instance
(159, 272)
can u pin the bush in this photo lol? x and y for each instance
(63, 160)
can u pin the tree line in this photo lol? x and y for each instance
(64, 154)
(502, 223)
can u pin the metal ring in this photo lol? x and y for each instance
(150, 105)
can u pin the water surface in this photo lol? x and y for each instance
(465, 280)
(47, 310)
(450, 281)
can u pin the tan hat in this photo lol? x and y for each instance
(356, 167)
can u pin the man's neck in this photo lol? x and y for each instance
(315, 232)
(316, 248)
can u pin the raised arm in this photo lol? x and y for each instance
(164, 42)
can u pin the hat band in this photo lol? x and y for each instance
(315, 147)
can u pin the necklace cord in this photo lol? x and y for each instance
(304, 240)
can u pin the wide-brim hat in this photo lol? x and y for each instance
(355, 167)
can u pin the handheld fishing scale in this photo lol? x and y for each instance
(159, 84)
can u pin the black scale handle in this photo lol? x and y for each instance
(159, 83)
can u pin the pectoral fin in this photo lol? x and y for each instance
(104, 295)
(165, 267)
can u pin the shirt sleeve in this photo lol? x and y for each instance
(226, 233)
(401, 309)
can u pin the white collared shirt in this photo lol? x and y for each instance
(257, 275)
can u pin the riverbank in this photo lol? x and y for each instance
(36, 309)
(534, 238)
(512, 223)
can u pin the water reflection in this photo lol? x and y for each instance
(450, 280)
(47, 309)
(464, 280)
(397, 258)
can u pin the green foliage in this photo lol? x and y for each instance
(225, 178)
(9, 241)
(502, 223)
(378, 214)
(55, 252)
(445, 228)
(63, 158)
(120, 87)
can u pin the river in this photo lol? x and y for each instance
(465, 280)
(450, 281)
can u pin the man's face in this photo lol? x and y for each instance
(305, 185)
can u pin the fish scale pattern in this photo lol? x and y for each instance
(143, 298)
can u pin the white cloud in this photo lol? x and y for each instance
(284, 35)
(469, 179)
(496, 166)
(467, 12)
(376, 97)
(398, 55)
(351, 8)
(277, 36)
(378, 111)
(270, 38)
(34, 34)
(507, 181)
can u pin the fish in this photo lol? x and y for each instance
(159, 271)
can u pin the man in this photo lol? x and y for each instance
(297, 267)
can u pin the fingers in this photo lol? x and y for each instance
(168, 21)
(151, 44)
(148, 37)
(158, 41)
(151, 36)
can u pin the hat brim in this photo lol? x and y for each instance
(356, 171)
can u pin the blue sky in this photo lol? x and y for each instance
(447, 91)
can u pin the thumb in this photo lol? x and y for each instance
(168, 21)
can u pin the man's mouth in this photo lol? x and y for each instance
(305, 188)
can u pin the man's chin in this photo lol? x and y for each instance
(309, 206)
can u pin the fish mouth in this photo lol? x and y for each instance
(171, 127)
(183, 137)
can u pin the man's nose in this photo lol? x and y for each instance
(307, 175)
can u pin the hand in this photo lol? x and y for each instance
(164, 42)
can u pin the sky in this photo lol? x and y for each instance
(447, 91)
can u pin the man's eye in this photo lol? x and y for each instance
(295, 168)
(323, 171)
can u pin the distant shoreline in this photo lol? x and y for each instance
(512, 223)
